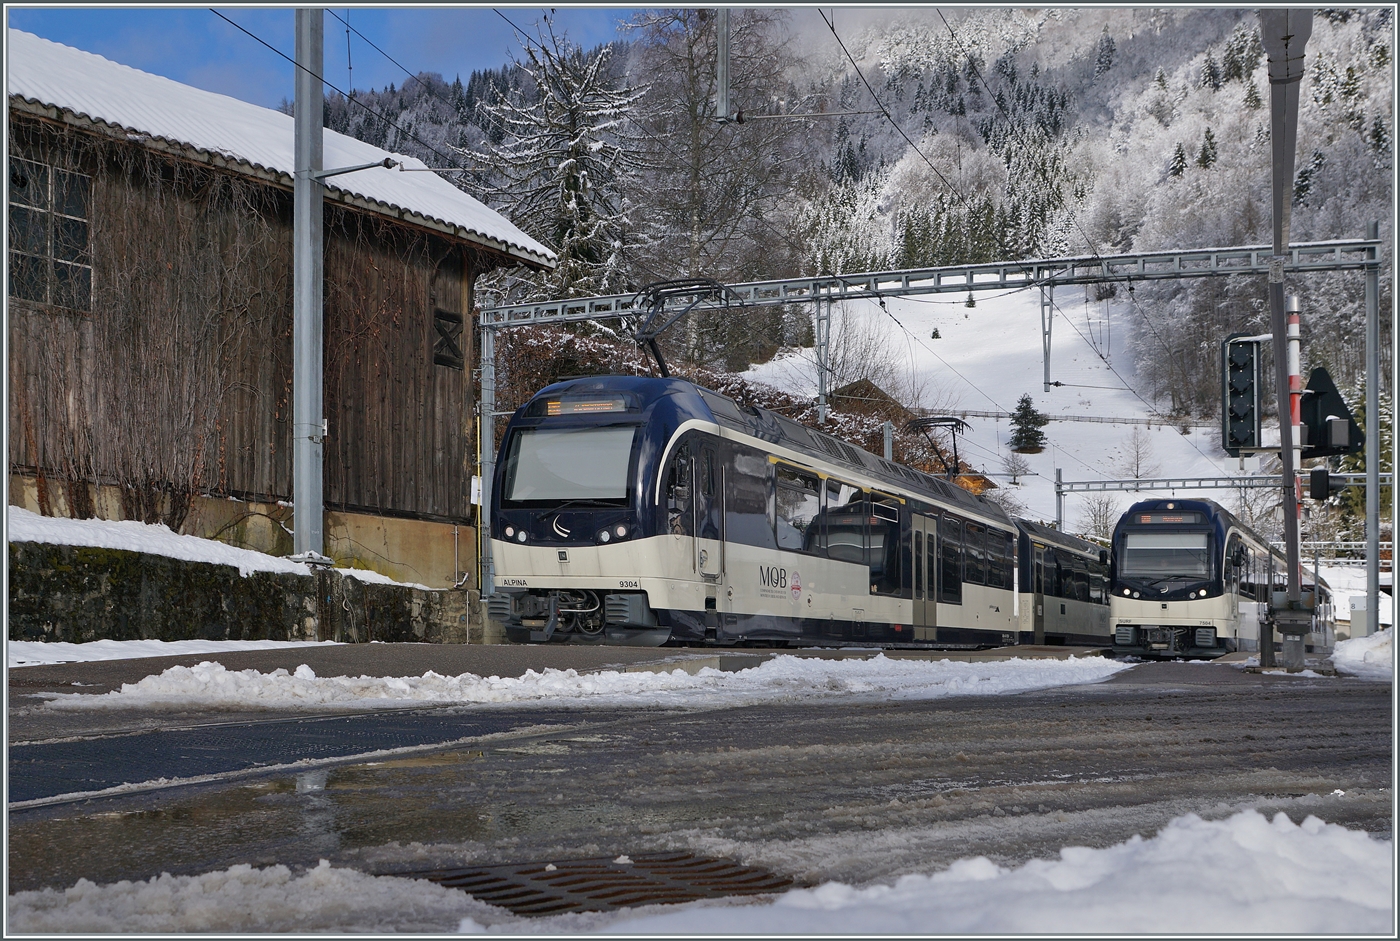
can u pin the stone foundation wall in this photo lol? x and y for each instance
(81, 593)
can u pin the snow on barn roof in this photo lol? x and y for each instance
(248, 138)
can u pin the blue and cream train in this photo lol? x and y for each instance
(645, 511)
(1190, 579)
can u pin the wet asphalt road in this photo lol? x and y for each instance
(853, 791)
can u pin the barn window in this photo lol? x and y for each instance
(447, 344)
(50, 255)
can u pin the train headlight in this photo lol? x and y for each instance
(1137, 595)
(1127, 592)
(1191, 594)
(604, 536)
(520, 536)
(510, 532)
(620, 530)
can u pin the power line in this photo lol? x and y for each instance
(889, 117)
(333, 88)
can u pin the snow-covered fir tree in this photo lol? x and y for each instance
(566, 165)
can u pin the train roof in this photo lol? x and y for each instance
(1215, 509)
(1054, 537)
(1200, 504)
(769, 426)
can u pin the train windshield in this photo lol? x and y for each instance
(547, 465)
(1165, 555)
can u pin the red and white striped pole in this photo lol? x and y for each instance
(1295, 399)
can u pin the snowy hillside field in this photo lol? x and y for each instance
(987, 356)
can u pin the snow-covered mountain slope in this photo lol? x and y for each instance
(989, 355)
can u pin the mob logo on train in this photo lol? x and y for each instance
(775, 576)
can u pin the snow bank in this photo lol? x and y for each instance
(244, 900)
(374, 578)
(158, 539)
(782, 678)
(132, 536)
(1245, 874)
(1371, 657)
(28, 653)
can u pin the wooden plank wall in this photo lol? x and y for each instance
(180, 376)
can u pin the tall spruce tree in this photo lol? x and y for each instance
(1026, 422)
(566, 165)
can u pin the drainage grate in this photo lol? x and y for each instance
(601, 885)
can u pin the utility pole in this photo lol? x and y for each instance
(308, 421)
(1373, 444)
(1284, 34)
(722, 65)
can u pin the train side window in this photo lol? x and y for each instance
(886, 560)
(748, 502)
(1064, 575)
(845, 522)
(993, 559)
(1234, 564)
(998, 559)
(798, 504)
(950, 555)
(679, 493)
(974, 543)
(1098, 585)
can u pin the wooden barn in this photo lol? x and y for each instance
(150, 320)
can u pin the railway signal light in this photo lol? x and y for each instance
(1328, 428)
(1239, 395)
(1321, 483)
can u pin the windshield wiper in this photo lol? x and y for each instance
(591, 502)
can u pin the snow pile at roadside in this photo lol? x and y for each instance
(1270, 877)
(132, 536)
(1371, 658)
(28, 653)
(784, 678)
(244, 900)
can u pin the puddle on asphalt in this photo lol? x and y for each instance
(291, 820)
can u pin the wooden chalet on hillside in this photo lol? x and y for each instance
(150, 319)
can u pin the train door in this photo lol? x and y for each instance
(708, 513)
(925, 581)
(1038, 600)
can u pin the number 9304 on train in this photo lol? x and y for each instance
(644, 511)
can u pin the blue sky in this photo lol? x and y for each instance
(194, 46)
